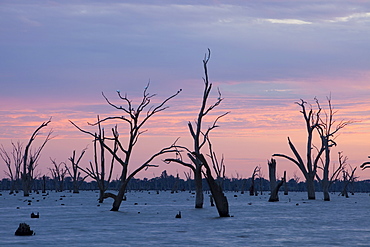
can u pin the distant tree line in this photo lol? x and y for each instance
(166, 182)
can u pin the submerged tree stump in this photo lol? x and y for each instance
(24, 230)
(35, 216)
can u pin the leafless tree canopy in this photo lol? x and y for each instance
(135, 117)
(321, 121)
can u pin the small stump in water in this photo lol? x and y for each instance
(35, 216)
(24, 230)
(178, 216)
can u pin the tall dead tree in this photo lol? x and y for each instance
(135, 118)
(199, 135)
(74, 172)
(31, 157)
(13, 162)
(308, 167)
(327, 129)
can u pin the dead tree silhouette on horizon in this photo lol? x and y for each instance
(308, 167)
(58, 173)
(98, 169)
(252, 188)
(75, 174)
(13, 162)
(135, 118)
(199, 136)
(31, 157)
(327, 129)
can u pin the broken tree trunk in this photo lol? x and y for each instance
(272, 173)
(274, 197)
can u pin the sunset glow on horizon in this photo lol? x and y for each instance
(58, 57)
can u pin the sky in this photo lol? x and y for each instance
(57, 57)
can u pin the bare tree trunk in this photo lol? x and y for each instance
(325, 189)
(274, 197)
(26, 185)
(274, 187)
(310, 183)
(219, 198)
(199, 197)
(272, 173)
(118, 199)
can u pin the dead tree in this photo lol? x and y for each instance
(252, 188)
(272, 173)
(348, 177)
(274, 186)
(13, 162)
(75, 174)
(274, 196)
(199, 135)
(30, 159)
(58, 173)
(98, 168)
(334, 176)
(135, 118)
(308, 167)
(327, 129)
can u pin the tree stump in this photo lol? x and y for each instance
(24, 230)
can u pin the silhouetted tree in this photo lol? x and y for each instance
(323, 122)
(252, 188)
(308, 168)
(58, 173)
(75, 174)
(31, 157)
(327, 130)
(98, 169)
(274, 186)
(15, 158)
(200, 136)
(135, 117)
